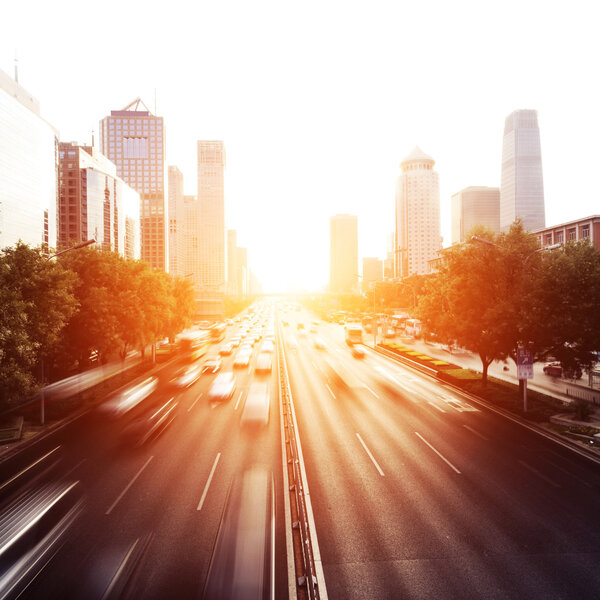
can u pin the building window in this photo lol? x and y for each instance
(585, 232)
(559, 237)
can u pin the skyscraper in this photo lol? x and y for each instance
(211, 208)
(134, 140)
(475, 206)
(522, 184)
(28, 169)
(95, 203)
(343, 253)
(176, 216)
(418, 236)
(372, 270)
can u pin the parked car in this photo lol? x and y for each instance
(556, 369)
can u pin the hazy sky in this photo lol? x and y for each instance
(319, 101)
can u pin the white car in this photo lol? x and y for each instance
(211, 365)
(256, 407)
(264, 363)
(267, 346)
(222, 387)
(242, 359)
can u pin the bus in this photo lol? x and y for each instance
(194, 344)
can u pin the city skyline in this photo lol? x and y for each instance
(332, 127)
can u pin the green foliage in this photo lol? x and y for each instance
(37, 302)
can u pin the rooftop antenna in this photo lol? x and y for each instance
(155, 102)
(92, 138)
(16, 68)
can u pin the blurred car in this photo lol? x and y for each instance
(292, 343)
(235, 341)
(122, 402)
(357, 351)
(226, 349)
(264, 363)
(32, 530)
(243, 561)
(556, 369)
(242, 358)
(186, 376)
(390, 333)
(303, 333)
(211, 365)
(149, 425)
(319, 343)
(222, 387)
(257, 405)
(267, 346)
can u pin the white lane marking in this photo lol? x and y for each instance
(121, 568)
(194, 402)
(436, 406)
(476, 433)
(128, 486)
(438, 453)
(372, 392)
(212, 472)
(39, 460)
(332, 394)
(540, 475)
(370, 455)
(238, 401)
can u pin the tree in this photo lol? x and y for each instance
(565, 299)
(37, 302)
(477, 297)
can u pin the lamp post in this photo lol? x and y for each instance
(42, 394)
(524, 359)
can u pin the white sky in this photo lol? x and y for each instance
(319, 101)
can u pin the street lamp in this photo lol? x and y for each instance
(42, 394)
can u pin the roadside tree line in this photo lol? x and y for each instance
(88, 305)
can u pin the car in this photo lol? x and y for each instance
(264, 363)
(267, 346)
(257, 405)
(390, 333)
(222, 387)
(319, 343)
(211, 365)
(186, 376)
(292, 343)
(556, 369)
(303, 333)
(242, 359)
(235, 342)
(226, 349)
(358, 351)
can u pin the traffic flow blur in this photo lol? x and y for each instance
(227, 365)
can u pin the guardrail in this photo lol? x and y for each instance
(303, 546)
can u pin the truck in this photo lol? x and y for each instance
(353, 333)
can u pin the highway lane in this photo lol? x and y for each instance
(417, 493)
(158, 507)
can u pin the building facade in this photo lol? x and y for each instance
(522, 183)
(475, 206)
(134, 140)
(28, 170)
(372, 270)
(343, 253)
(581, 229)
(176, 216)
(211, 206)
(94, 203)
(418, 234)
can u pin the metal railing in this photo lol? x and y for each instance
(303, 548)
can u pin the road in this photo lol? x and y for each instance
(416, 491)
(161, 504)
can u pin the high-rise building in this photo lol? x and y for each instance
(28, 169)
(418, 236)
(176, 217)
(211, 208)
(343, 253)
(522, 183)
(243, 273)
(475, 206)
(95, 203)
(134, 140)
(372, 270)
(388, 263)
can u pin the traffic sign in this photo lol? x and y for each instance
(524, 364)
